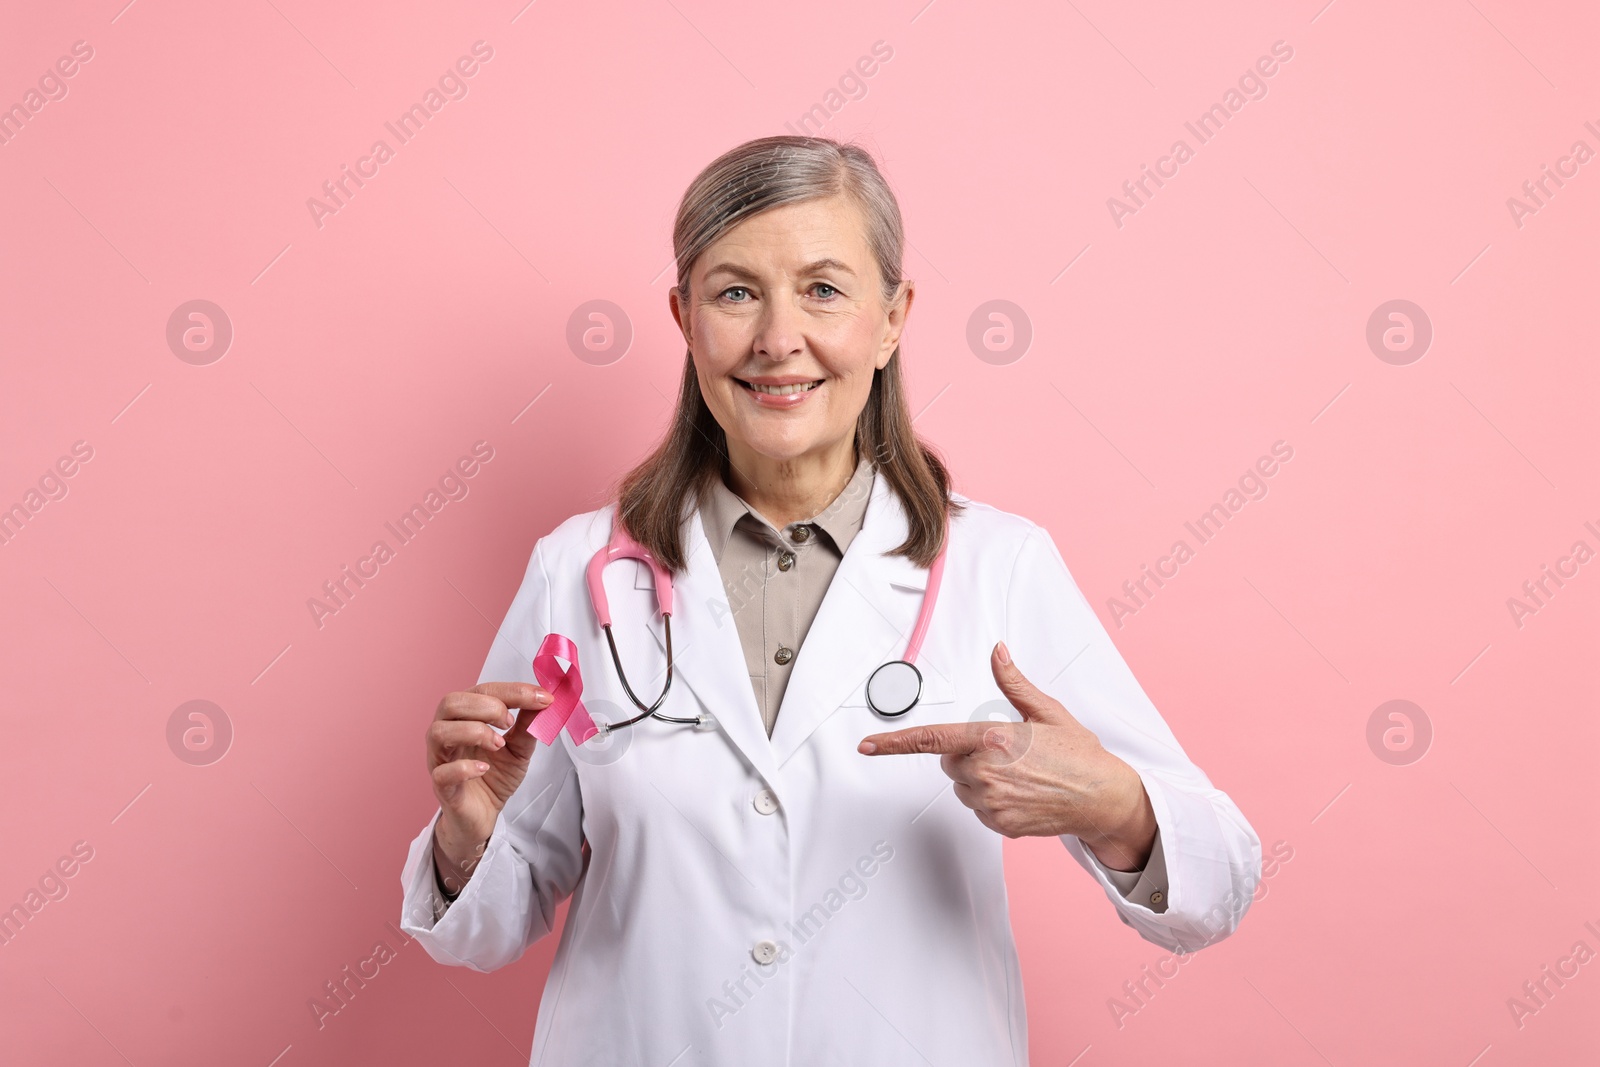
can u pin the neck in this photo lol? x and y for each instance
(790, 490)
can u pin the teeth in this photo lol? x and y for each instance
(782, 390)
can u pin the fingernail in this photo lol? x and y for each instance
(544, 695)
(866, 748)
(1005, 653)
(483, 768)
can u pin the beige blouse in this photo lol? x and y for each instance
(776, 578)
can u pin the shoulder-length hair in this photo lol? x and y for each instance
(656, 496)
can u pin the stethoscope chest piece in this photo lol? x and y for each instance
(894, 688)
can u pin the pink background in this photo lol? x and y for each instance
(1228, 313)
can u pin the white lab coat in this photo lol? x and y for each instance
(884, 896)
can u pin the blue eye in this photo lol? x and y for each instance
(735, 289)
(830, 290)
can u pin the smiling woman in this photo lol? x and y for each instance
(700, 828)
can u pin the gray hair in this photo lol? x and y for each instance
(771, 172)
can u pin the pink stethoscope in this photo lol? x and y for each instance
(892, 690)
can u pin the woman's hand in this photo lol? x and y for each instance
(475, 770)
(1044, 776)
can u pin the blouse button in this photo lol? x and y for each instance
(783, 656)
(802, 534)
(785, 560)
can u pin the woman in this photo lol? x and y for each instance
(782, 874)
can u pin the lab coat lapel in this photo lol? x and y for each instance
(865, 619)
(708, 656)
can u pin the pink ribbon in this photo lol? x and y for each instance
(566, 686)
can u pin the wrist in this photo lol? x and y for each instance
(1131, 830)
(455, 858)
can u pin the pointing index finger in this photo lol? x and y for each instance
(948, 737)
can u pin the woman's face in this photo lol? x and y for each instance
(786, 322)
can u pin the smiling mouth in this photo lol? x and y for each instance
(779, 390)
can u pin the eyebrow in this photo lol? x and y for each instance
(737, 271)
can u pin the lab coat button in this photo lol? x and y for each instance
(783, 656)
(766, 803)
(765, 952)
(1157, 897)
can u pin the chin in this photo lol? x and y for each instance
(781, 446)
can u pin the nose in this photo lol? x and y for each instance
(780, 331)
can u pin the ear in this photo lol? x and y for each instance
(898, 311)
(678, 316)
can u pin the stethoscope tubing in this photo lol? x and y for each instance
(653, 710)
(622, 545)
